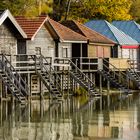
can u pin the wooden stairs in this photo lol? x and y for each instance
(49, 77)
(13, 81)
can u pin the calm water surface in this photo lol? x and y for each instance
(113, 118)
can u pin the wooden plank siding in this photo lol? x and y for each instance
(128, 53)
(8, 43)
(120, 63)
(63, 47)
(43, 40)
(99, 51)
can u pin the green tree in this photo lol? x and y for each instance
(100, 9)
(27, 7)
(135, 10)
(59, 9)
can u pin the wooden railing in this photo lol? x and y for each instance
(119, 63)
(115, 72)
(75, 69)
(134, 64)
(23, 62)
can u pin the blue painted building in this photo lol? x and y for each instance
(126, 47)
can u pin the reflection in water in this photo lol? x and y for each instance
(72, 119)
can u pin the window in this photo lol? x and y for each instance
(65, 52)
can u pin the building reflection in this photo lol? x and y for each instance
(72, 119)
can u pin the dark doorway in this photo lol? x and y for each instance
(114, 51)
(76, 49)
(76, 53)
(84, 50)
(21, 52)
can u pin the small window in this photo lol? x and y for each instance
(65, 52)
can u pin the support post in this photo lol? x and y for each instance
(100, 78)
(108, 87)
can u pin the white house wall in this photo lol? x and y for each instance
(128, 53)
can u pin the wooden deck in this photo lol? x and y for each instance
(85, 64)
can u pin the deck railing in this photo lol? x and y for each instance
(85, 63)
(134, 64)
(75, 69)
(116, 72)
(23, 62)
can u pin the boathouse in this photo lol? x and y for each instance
(126, 46)
(132, 28)
(98, 45)
(43, 64)
(51, 39)
(11, 33)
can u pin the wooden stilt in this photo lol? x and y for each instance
(108, 87)
(100, 78)
(29, 84)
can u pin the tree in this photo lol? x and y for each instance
(135, 10)
(100, 9)
(27, 7)
(59, 9)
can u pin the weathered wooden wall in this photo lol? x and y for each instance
(43, 40)
(63, 47)
(120, 63)
(8, 43)
(98, 51)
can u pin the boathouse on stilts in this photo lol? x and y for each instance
(40, 56)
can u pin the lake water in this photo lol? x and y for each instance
(76, 118)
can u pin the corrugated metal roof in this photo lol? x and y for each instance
(129, 27)
(110, 31)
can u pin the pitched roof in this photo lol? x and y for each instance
(110, 31)
(5, 14)
(31, 25)
(129, 27)
(65, 34)
(91, 35)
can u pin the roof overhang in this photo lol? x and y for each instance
(7, 14)
(72, 41)
(64, 40)
(101, 44)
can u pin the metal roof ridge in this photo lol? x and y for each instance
(121, 32)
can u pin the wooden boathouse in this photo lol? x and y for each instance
(43, 57)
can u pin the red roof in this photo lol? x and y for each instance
(66, 34)
(32, 25)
